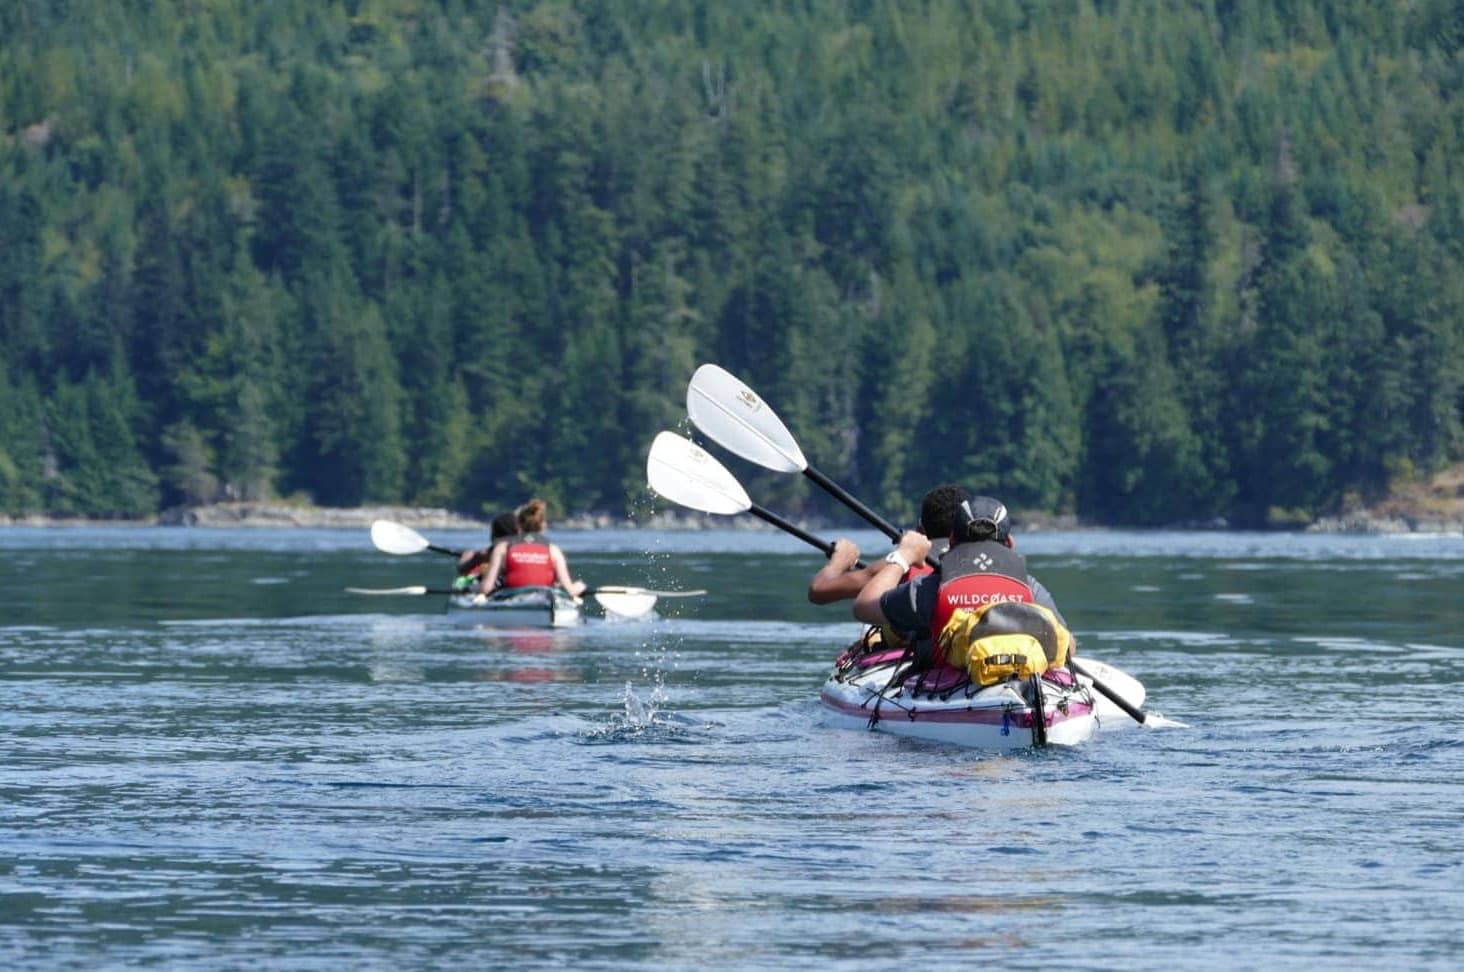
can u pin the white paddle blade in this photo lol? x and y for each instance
(393, 538)
(389, 591)
(647, 590)
(685, 473)
(1129, 688)
(626, 605)
(733, 416)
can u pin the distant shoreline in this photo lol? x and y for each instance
(286, 515)
(280, 515)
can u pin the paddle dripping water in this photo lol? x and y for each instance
(219, 759)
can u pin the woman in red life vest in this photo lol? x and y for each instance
(529, 559)
(472, 563)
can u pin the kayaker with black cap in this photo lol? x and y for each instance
(980, 568)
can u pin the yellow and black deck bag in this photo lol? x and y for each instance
(1007, 639)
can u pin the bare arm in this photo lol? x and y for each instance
(470, 559)
(495, 567)
(838, 580)
(913, 548)
(561, 572)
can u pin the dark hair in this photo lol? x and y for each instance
(938, 510)
(982, 518)
(504, 525)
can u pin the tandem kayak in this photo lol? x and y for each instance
(519, 607)
(879, 691)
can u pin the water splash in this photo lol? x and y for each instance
(643, 720)
(638, 713)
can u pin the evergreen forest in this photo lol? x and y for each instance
(1149, 263)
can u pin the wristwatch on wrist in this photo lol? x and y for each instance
(898, 559)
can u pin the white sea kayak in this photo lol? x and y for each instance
(879, 691)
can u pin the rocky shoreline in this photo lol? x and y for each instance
(284, 515)
(1386, 523)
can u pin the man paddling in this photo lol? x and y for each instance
(841, 580)
(981, 567)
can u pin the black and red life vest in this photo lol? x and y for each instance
(976, 574)
(528, 563)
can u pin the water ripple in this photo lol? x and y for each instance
(270, 773)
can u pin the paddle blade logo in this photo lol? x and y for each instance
(750, 401)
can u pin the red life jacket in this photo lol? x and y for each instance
(527, 563)
(973, 574)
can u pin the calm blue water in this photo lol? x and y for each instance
(211, 755)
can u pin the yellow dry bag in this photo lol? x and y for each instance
(1005, 639)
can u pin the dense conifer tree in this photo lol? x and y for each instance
(456, 251)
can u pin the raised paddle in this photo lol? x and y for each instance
(394, 538)
(736, 418)
(733, 416)
(686, 474)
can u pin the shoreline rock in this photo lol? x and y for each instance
(279, 515)
(1371, 523)
(299, 515)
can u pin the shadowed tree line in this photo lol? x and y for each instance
(1150, 264)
